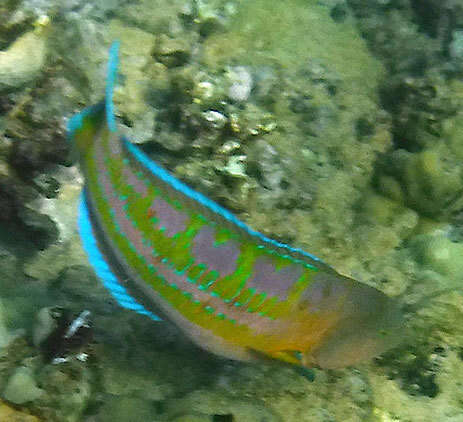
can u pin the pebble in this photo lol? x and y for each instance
(241, 84)
(215, 119)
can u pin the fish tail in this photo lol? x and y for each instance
(111, 79)
(83, 127)
(85, 130)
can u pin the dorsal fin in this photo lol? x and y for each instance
(217, 213)
(195, 199)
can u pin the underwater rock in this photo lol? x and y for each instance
(41, 225)
(61, 208)
(127, 377)
(126, 409)
(453, 127)
(214, 119)
(37, 145)
(14, 21)
(385, 225)
(241, 83)
(5, 335)
(219, 406)
(73, 283)
(236, 166)
(419, 108)
(213, 16)
(9, 264)
(431, 180)
(266, 162)
(424, 377)
(61, 213)
(44, 325)
(171, 52)
(392, 32)
(433, 17)
(197, 417)
(37, 141)
(47, 264)
(47, 185)
(438, 252)
(64, 389)
(23, 61)
(252, 121)
(22, 387)
(67, 390)
(167, 16)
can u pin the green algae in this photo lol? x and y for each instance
(429, 181)
(324, 102)
(453, 126)
(438, 252)
(280, 33)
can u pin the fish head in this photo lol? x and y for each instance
(367, 322)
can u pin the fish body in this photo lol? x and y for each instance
(162, 248)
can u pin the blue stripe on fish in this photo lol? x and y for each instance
(110, 83)
(176, 184)
(100, 265)
(170, 179)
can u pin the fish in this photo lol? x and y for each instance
(169, 252)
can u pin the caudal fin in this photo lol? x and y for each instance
(83, 127)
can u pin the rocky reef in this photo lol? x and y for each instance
(333, 125)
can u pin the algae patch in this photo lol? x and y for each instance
(259, 34)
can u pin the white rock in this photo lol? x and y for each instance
(23, 61)
(241, 84)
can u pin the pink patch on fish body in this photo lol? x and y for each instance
(169, 219)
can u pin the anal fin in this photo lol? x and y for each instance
(101, 267)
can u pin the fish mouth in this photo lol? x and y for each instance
(368, 323)
(354, 342)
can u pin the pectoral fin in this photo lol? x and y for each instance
(293, 357)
